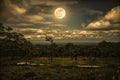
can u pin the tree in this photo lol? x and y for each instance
(70, 51)
(14, 44)
(48, 38)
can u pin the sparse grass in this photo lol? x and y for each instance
(60, 69)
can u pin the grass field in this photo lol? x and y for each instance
(60, 69)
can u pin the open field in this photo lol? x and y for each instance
(61, 69)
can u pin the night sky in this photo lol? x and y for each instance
(85, 20)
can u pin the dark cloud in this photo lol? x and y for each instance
(40, 9)
(12, 8)
(54, 2)
(104, 5)
(3, 11)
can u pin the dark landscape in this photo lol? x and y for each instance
(59, 40)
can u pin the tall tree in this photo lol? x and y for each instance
(13, 44)
(50, 39)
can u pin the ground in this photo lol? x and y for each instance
(60, 69)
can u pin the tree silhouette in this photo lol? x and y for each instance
(69, 49)
(14, 44)
(50, 39)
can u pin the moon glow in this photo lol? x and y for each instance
(60, 13)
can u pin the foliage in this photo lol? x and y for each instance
(13, 44)
(103, 49)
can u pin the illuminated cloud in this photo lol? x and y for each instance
(99, 24)
(84, 35)
(17, 10)
(113, 15)
(58, 25)
(110, 21)
(24, 24)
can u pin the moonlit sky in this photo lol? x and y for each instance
(85, 20)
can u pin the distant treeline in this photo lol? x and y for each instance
(103, 49)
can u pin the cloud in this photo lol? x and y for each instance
(113, 15)
(11, 9)
(25, 19)
(34, 18)
(84, 35)
(21, 14)
(54, 2)
(110, 21)
(24, 24)
(14, 8)
(99, 24)
(17, 10)
(89, 11)
(58, 25)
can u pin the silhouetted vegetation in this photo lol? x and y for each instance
(103, 49)
(68, 62)
(13, 44)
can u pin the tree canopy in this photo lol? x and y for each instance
(13, 43)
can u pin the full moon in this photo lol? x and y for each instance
(60, 13)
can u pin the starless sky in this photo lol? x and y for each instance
(85, 20)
